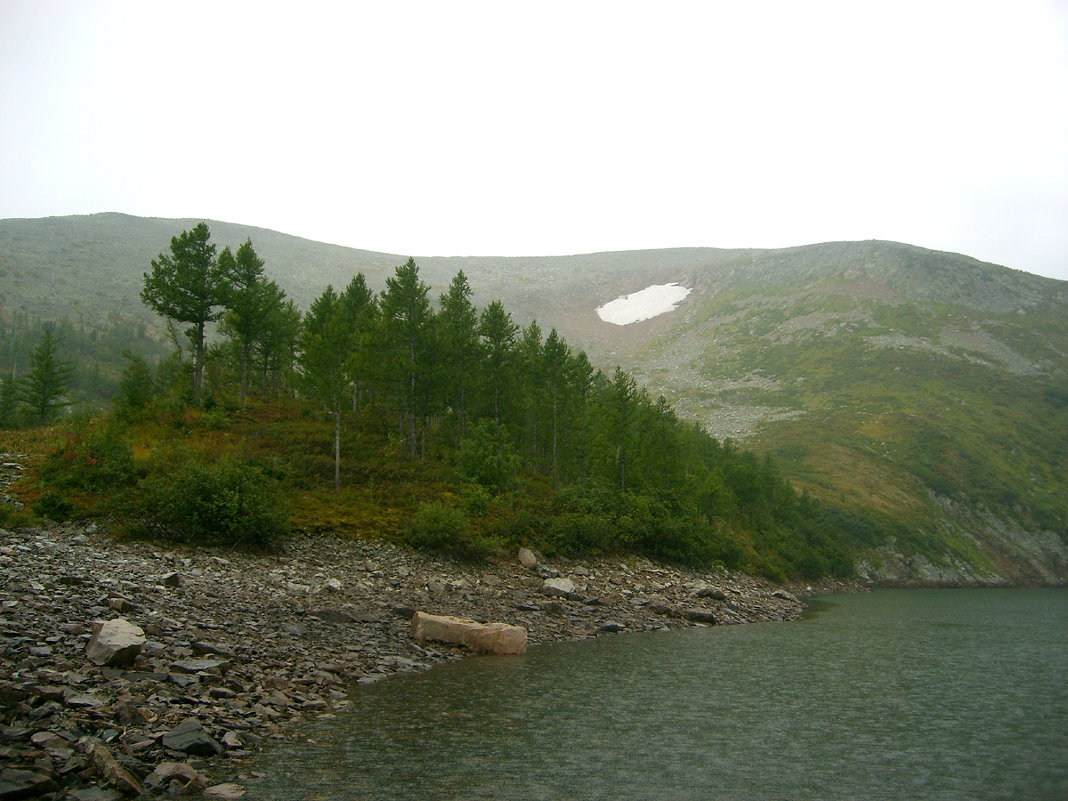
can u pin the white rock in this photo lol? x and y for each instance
(483, 638)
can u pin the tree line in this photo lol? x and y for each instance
(499, 403)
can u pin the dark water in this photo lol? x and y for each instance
(897, 694)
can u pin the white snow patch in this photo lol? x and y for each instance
(649, 302)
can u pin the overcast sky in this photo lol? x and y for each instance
(537, 128)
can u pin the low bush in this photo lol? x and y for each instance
(230, 502)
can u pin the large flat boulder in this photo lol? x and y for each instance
(482, 638)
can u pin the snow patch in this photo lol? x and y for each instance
(649, 302)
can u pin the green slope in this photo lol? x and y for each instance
(927, 388)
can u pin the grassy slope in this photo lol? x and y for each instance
(880, 374)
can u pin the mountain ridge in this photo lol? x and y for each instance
(927, 385)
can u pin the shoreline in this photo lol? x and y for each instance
(251, 645)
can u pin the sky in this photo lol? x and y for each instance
(548, 128)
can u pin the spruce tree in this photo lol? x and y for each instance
(42, 388)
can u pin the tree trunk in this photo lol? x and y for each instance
(337, 446)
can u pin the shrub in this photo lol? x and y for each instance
(92, 456)
(54, 506)
(438, 526)
(230, 502)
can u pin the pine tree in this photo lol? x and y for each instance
(406, 319)
(188, 286)
(42, 388)
(250, 302)
(458, 340)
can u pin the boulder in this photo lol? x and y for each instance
(483, 638)
(118, 642)
(699, 615)
(560, 587)
(191, 737)
(527, 558)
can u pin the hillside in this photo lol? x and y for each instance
(926, 386)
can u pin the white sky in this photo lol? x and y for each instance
(538, 128)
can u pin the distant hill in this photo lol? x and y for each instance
(927, 386)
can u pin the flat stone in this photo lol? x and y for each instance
(15, 783)
(483, 638)
(559, 587)
(198, 665)
(225, 791)
(191, 737)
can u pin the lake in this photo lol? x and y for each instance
(894, 694)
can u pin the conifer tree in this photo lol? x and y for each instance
(42, 388)
(250, 302)
(406, 318)
(458, 341)
(187, 286)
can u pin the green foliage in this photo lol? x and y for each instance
(229, 502)
(54, 506)
(441, 526)
(486, 456)
(188, 285)
(94, 455)
(42, 388)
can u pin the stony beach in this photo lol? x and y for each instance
(239, 649)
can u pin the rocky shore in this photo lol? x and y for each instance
(236, 649)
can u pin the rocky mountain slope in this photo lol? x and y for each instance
(928, 388)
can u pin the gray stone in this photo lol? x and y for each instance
(527, 558)
(16, 783)
(712, 592)
(227, 791)
(118, 642)
(199, 665)
(560, 587)
(699, 615)
(191, 737)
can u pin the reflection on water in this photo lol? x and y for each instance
(927, 694)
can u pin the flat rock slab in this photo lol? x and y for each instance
(191, 737)
(16, 783)
(482, 638)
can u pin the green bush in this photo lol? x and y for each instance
(438, 526)
(92, 456)
(54, 506)
(230, 502)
